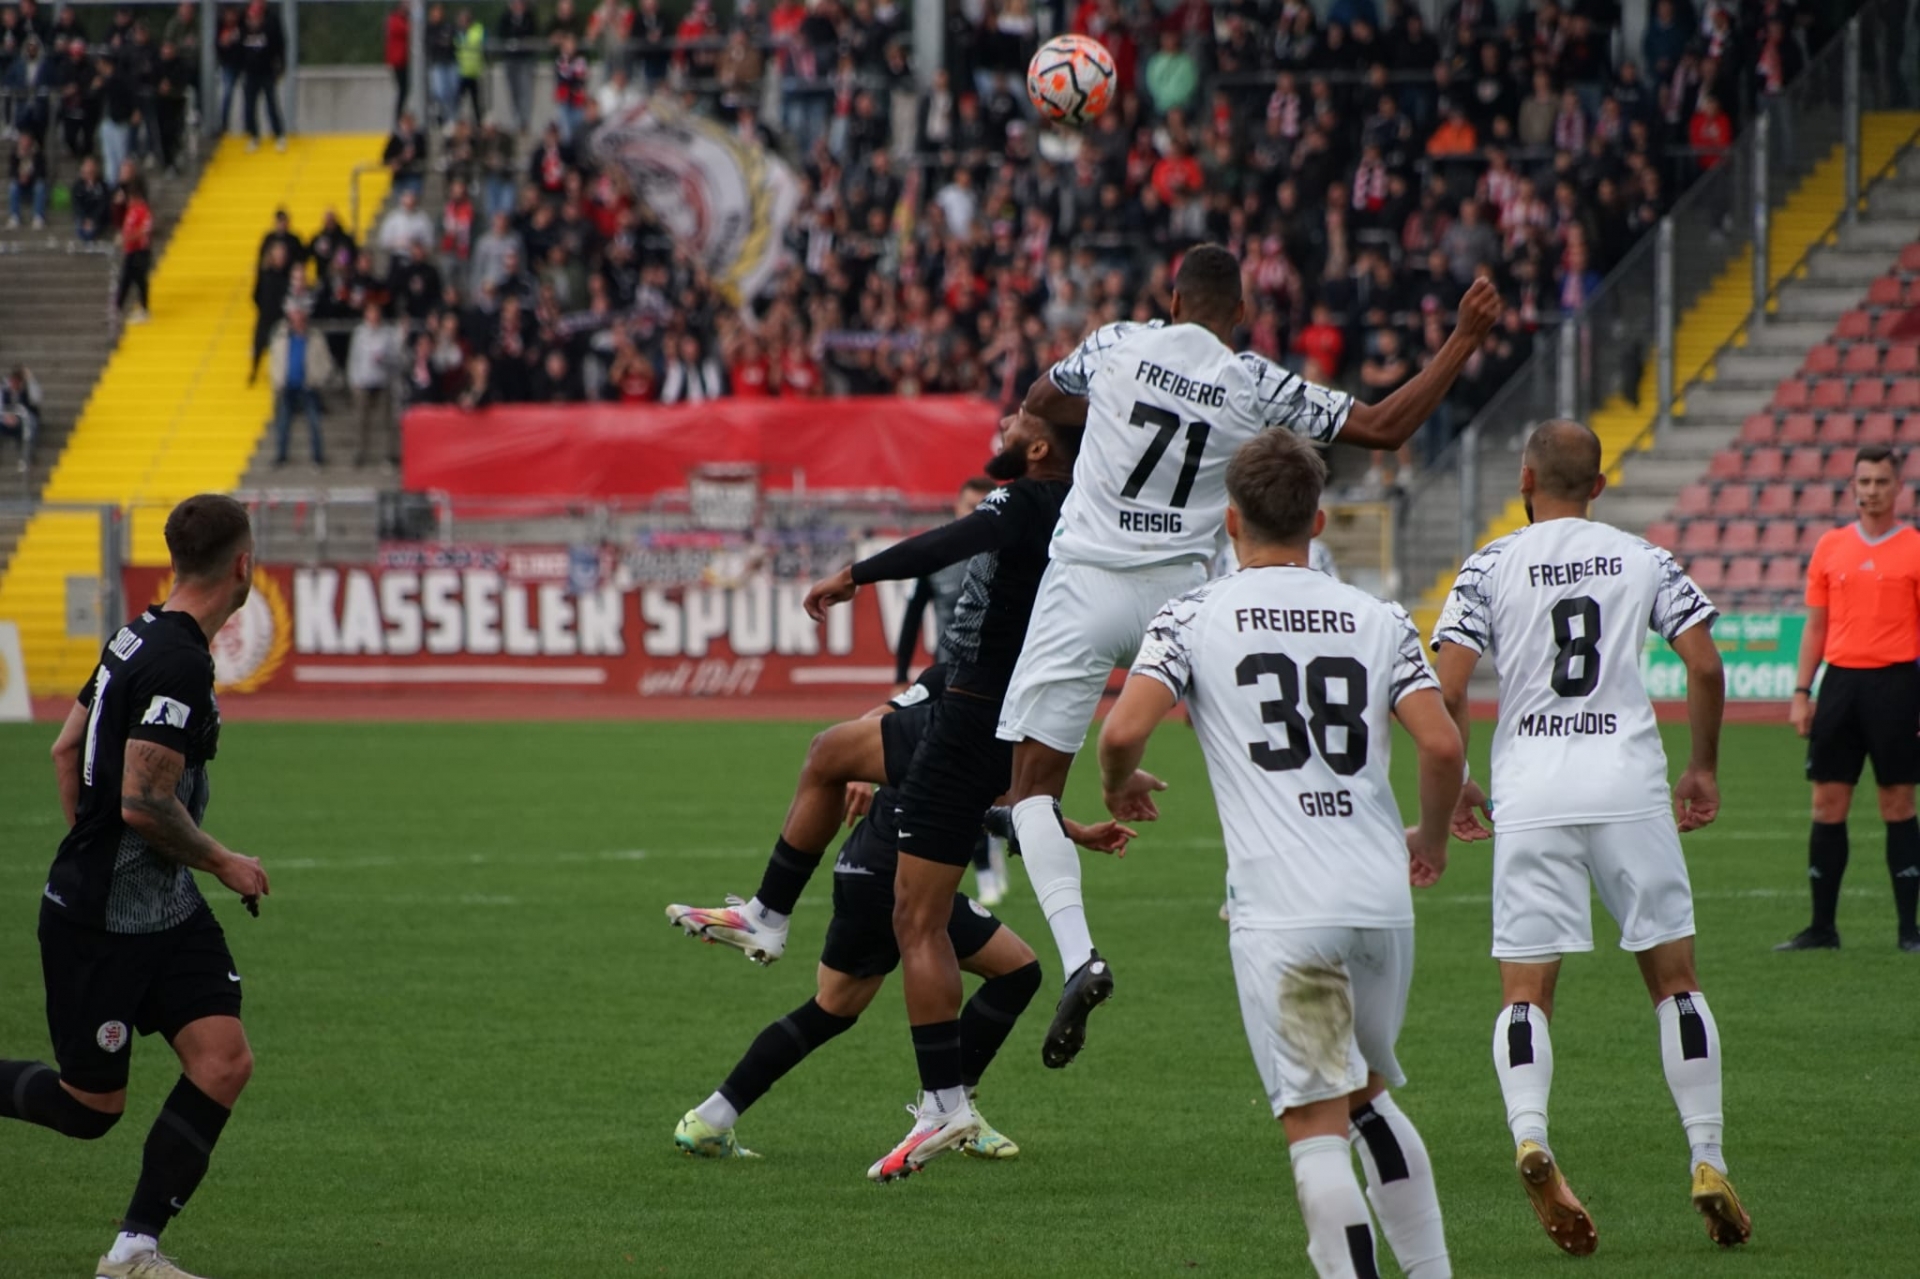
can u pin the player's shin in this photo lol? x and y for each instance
(31, 1091)
(1826, 864)
(778, 1049)
(1401, 1188)
(1523, 1058)
(1903, 864)
(989, 1016)
(785, 878)
(1053, 864)
(176, 1156)
(1690, 1052)
(1339, 1236)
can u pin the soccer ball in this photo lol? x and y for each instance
(1070, 79)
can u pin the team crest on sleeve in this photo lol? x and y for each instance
(112, 1036)
(167, 713)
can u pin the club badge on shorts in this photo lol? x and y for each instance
(112, 1036)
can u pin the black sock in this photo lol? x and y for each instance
(1903, 863)
(778, 1049)
(936, 1046)
(31, 1091)
(787, 873)
(1826, 863)
(988, 1018)
(982, 856)
(178, 1149)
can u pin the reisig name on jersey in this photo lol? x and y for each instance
(1167, 407)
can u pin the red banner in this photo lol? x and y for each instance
(921, 447)
(525, 619)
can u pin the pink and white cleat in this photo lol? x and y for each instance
(933, 1133)
(738, 924)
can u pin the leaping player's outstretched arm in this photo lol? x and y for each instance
(1059, 395)
(1696, 796)
(1392, 422)
(989, 528)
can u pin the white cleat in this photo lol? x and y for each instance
(147, 1265)
(732, 925)
(990, 887)
(932, 1134)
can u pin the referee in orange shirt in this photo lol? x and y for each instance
(1863, 621)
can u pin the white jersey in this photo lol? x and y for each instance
(1290, 678)
(1562, 606)
(1168, 406)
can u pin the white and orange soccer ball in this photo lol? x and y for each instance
(1070, 79)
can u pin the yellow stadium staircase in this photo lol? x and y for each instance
(1718, 317)
(172, 414)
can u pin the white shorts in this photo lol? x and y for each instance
(1322, 1007)
(1541, 905)
(1086, 621)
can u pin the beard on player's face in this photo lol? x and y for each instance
(1527, 502)
(1009, 463)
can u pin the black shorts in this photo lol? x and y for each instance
(900, 734)
(959, 770)
(1867, 713)
(104, 987)
(860, 939)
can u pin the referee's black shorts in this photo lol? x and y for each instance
(1867, 713)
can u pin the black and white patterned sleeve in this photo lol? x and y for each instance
(1074, 374)
(1678, 604)
(1410, 670)
(1166, 654)
(1467, 617)
(1287, 399)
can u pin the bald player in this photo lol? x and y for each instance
(1863, 621)
(1580, 784)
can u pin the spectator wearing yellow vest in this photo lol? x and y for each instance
(470, 53)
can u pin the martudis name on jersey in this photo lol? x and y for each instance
(1205, 394)
(1568, 574)
(1295, 621)
(1587, 723)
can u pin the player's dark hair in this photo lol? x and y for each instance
(1564, 457)
(204, 533)
(1876, 453)
(1208, 283)
(978, 484)
(1274, 482)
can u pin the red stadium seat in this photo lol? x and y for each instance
(1839, 465)
(1804, 464)
(1799, 428)
(1901, 361)
(1776, 501)
(1733, 500)
(1854, 326)
(1700, 537)
(1903, 503)
(1708, 573)
(1824, 358)
(1829, 393)
(1727, 464)
(1910, 258)
(1837, 430)
(1910, 468)
(1743, 574)
(1664, 534)
(1904, 393)
(1907, 434)
(1740, 537)
(1694, 500)
(1867, 393)
(1814, 503)
(1885, 323)
(1784, 573)
(1888, 290)
(1792, 394)
(1779, 537)
(1876, 428)
(1766, 465)
(1861, 357)
(1758, 429)
(1810, 537)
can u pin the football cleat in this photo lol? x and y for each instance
(697, 1137)
(732, 925)
(1727, 1222)
(932, 1134)
(989, 886)
(1561, 1215)
(990, 1142)
(1910, 941)
(1814, 938)
(1090, 986)
(148, 1265)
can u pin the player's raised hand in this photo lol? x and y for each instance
(1426, 862)
(859, 800)
(1101, 837)
(243, 874)
(1133, 802)
(829, 591)
(1696, 800)
(1467, 825)
(1479, 310)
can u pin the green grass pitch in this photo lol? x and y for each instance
(475, 1033)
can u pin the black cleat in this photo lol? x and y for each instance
(1814, 938)
(1090, 986)
(1910, 940)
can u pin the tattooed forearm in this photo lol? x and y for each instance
(151, 808)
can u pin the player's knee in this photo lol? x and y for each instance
(914, 923)
(224, 1074)
(1024, 981)
(1896, 803)
(75, 1118)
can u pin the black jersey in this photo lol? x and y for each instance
(1005, 543)
(155, 684)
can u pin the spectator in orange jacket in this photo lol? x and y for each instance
(1710, 132)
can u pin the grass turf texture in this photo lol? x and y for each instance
(475, 1034)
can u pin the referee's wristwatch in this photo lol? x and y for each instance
(1803, 691)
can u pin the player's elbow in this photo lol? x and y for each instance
(1443, 751)
(1705, 670)
(137, 814)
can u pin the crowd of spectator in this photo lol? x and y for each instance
(1364, 168)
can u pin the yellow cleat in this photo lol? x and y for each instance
(1727, 1222)
(699, 1138)
(989, 1142)
(1561, 1214)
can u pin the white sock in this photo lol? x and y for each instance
(1690, 1051)
(1335, 1211)
(942, 1103)
(128, 1246)
(717, 1111)
(1053, 864)
(1401, 1189)
(771, 918)
(1523, 1058)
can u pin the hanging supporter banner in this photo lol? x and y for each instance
(726, 199)
(1760, 652)
(542, 619)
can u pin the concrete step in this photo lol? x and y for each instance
(1786, 339)
(1809, 300)
(1709, 402)
(1894, 200)
(1884, 236)
(1633, 509)
(1853, 270)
